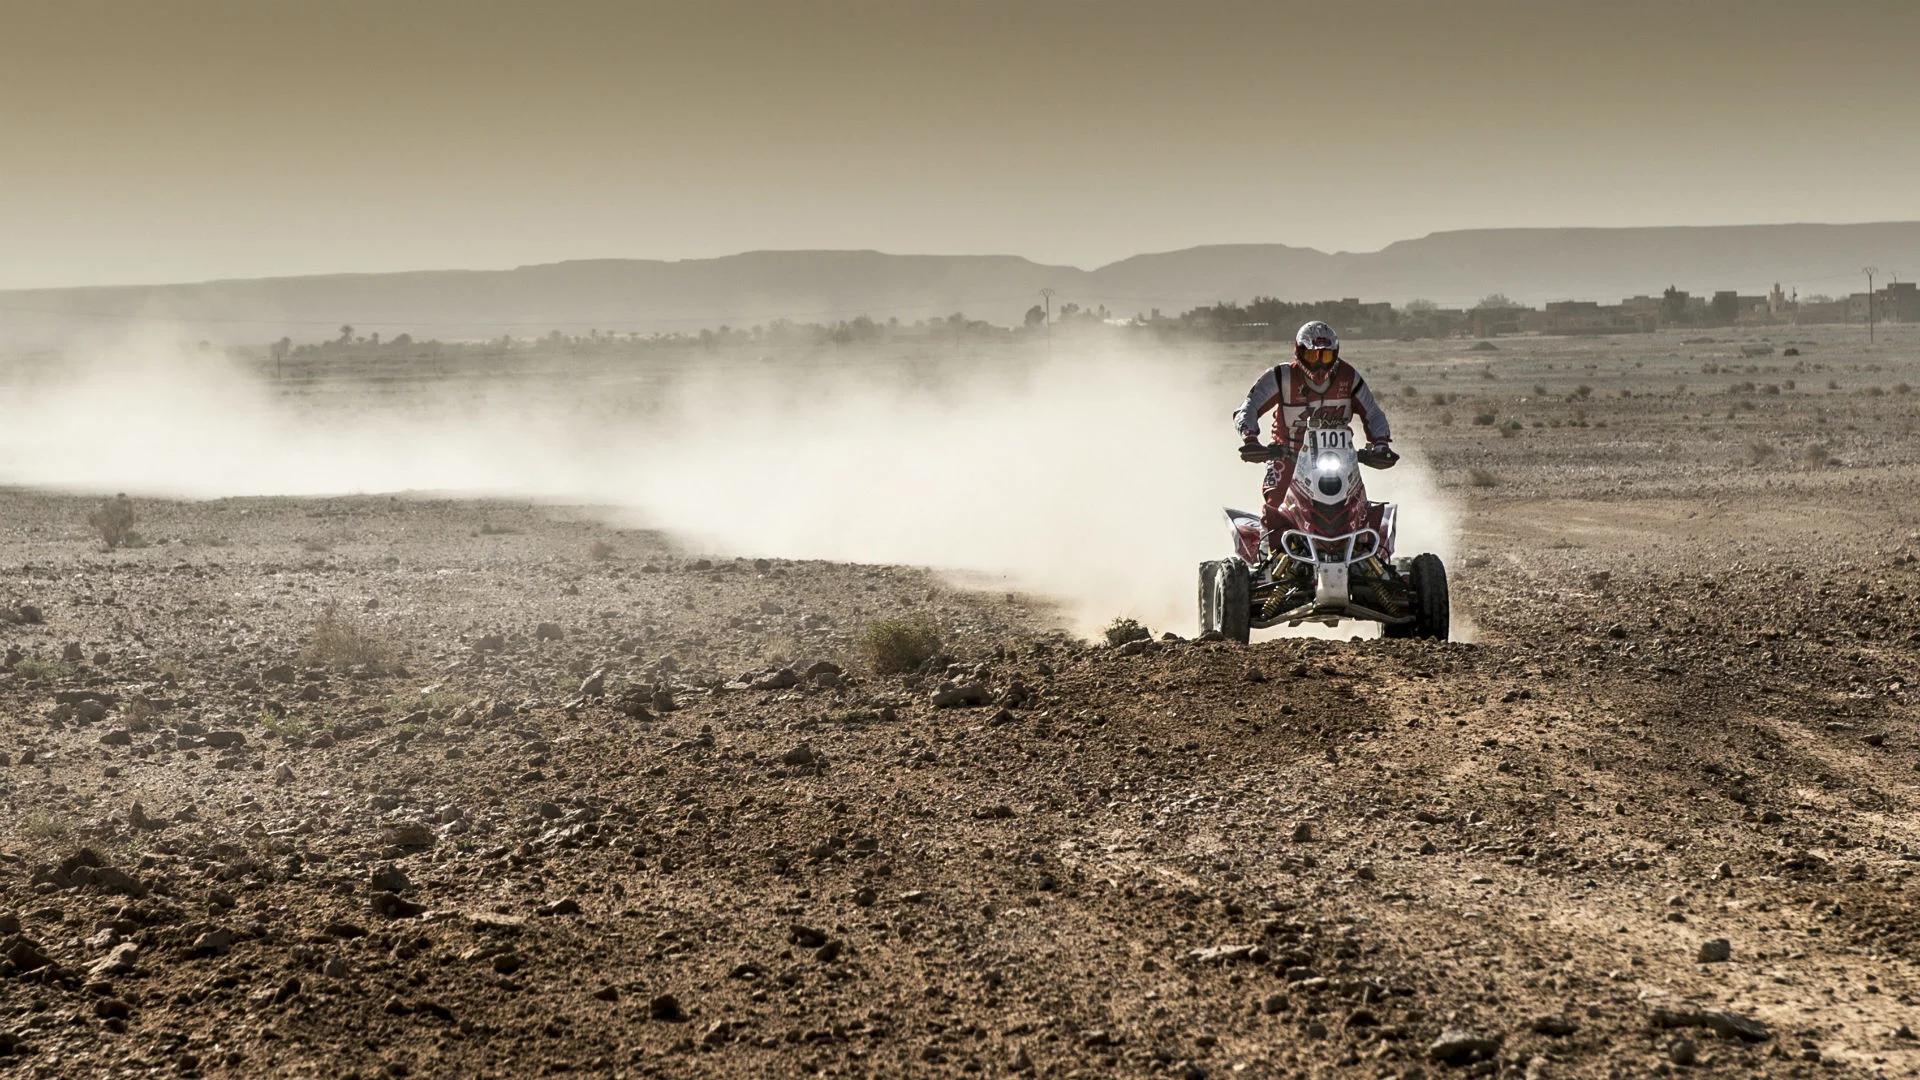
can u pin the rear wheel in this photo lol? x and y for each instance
(1226, 603)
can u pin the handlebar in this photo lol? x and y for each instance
(1255, 452)
(1381, 458)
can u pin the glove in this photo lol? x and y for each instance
(1253, 451)
(1383, 455)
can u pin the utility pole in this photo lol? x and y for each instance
(1870, 271)
(1047, 295)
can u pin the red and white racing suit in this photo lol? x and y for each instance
(1294, 401)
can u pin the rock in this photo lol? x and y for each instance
(30, 615)
(666, 1007)
(488, 643)
(1728, 1025)
(89, 712)
(409, 834)
(1302, 832)
(117, 737)
(962, 696)
(108, 879)
(564, 906)
(800, 755)
(1716, 951)
(1220, 954)
(389, 879)
(112, 1008)
(119, 961)
(396, 907)
(1456, 1046)
(1554, 1025)
(1683, 1052)
(595, 685)
(783, 679)
(221, 740)
(213, 943)
(607, 993)
(280, 673)
(26, 955)
(549, 631)
(822, 667)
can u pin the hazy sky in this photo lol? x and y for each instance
(170, 140)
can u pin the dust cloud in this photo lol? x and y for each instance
(1094, 478)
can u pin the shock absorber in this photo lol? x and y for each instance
(1283, 569)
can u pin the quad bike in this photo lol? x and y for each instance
(1334, 561)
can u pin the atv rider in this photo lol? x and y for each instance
(1317, 385)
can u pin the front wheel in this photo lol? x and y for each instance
(1432, 611)
(1226, 603)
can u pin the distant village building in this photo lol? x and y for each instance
(1899, 302)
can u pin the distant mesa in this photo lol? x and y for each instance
(1450, 269)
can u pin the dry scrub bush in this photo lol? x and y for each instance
(893, 646)
(1759, 451)
(1816, 455)
(338, 641)
(32, 669)
(113, 523)
(1484, 419)
(601, 551)
(1121, 631)
(1481, 478)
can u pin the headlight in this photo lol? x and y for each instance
(1329, 463)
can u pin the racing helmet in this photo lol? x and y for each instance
(1316, 348)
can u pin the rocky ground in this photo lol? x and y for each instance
(425, 787)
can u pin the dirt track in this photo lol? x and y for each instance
(1688, 716)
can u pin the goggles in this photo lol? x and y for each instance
(1319, 358)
